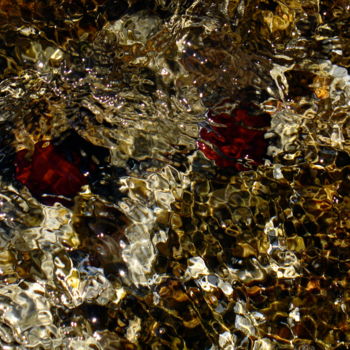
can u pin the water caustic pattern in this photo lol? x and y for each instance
(174, 174)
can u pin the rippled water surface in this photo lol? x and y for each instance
(174, 174)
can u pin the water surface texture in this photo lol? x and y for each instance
(174, 174)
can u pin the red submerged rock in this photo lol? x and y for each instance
(48, 174)
(234, 136)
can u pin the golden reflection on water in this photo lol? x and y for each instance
(164, 248)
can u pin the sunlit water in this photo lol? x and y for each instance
(208, 200)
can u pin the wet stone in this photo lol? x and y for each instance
(174, 174)
(56, 171)
(232, 140)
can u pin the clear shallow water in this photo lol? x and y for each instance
(164, 248)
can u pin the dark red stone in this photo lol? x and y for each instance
(240, 135)
(48, 173)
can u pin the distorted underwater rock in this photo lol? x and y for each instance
(174, 174)
(56, 171)
(235, 138)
